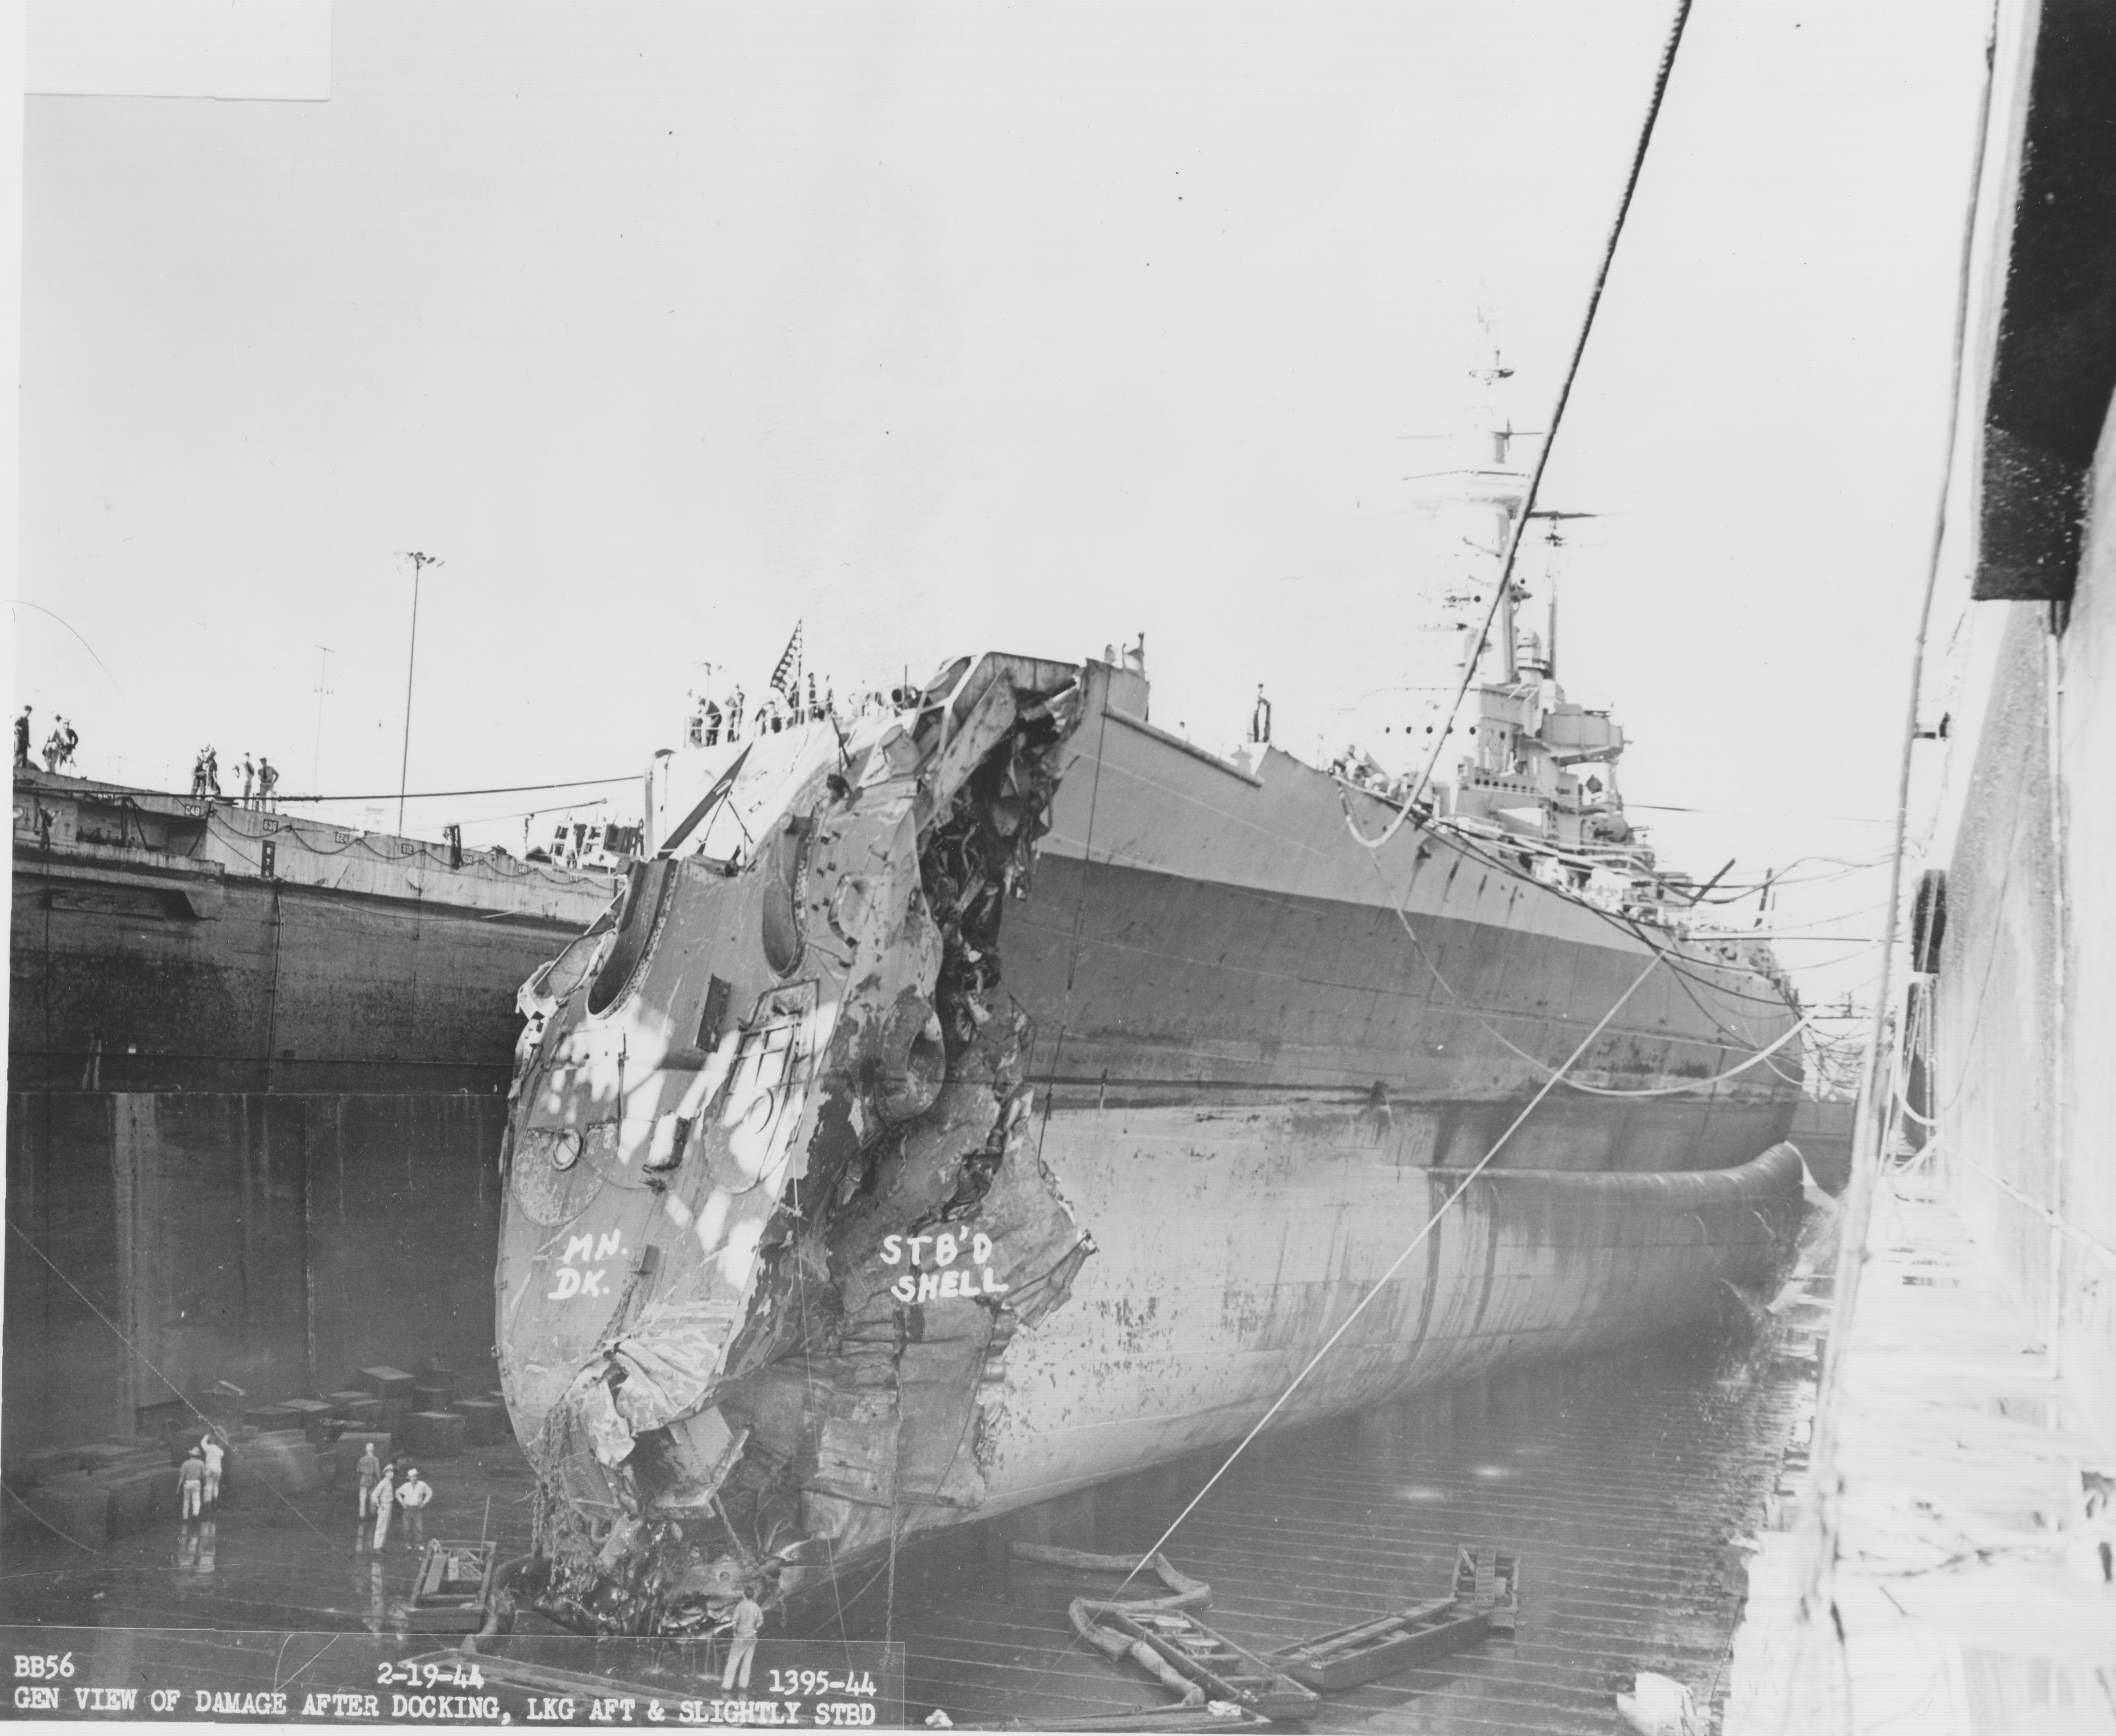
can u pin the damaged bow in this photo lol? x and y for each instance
(773, 1207)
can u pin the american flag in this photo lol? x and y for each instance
(786, 677)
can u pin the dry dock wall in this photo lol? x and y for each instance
(2026, 1024)
(236, 985)
(1996, 1021)
(275, 1242)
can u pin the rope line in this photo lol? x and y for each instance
(2100, 1248)
(47, 1525)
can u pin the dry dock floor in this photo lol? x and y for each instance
(1632, 1487)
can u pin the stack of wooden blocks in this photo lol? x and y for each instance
(93, 1494)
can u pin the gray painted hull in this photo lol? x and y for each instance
(1235, 1062)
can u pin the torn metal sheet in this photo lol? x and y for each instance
(771, 1153)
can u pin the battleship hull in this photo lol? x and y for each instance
(1218, 1275)
(1027, 1096)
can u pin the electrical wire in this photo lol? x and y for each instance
(1671, 807)
(502, 789)
(25, 603)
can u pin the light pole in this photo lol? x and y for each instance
(323, 688)
(420, 563)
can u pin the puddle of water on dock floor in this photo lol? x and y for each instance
(1622, 1483)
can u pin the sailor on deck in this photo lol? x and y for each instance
(213, 1453)
(192, 1479)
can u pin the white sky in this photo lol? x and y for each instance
(950, 326)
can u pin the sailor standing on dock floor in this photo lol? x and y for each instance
(369, 1470)
(385, 1497)
(193, 1478)
(213, 1453)
(749, 1618)
(412, 1494)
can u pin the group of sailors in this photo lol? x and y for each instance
(382, 1493)
(260, 780)
(58, 745)
(712, 722)
(199, 1481)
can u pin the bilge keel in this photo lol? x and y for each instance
(970, 1100)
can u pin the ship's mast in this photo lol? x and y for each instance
(1503, 489)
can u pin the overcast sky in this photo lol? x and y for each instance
(943, 328)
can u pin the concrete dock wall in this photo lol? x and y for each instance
(2026, 1024)
(1995, 1020)
(170, 1240)
(2087, 751)
(252, 984)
